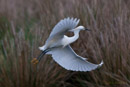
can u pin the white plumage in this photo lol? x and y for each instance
(68, 59)
(58, 46)
(64, 25)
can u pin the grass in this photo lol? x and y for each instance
(25, 25)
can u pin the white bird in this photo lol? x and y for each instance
(58, 45)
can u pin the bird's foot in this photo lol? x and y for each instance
(34, 61)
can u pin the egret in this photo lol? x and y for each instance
(58, 45)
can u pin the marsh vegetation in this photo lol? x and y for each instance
(26, 24)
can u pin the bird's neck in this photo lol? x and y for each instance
(75, 37)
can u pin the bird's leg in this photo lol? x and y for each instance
(39, 58)
(36, 60)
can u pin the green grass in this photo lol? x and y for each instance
(25, 25)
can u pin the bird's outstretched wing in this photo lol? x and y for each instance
(69, 60)
(64, 25)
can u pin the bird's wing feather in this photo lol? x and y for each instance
(69, 60)
(64, 25)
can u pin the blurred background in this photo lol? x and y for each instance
(26, 24)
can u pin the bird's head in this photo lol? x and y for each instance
(80, 28)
